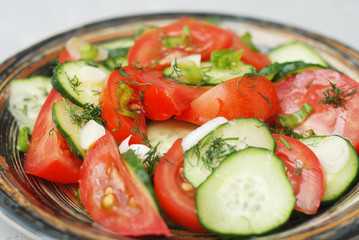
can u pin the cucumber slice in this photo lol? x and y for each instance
(248, 194)
(118, 50)
(237, 134)
(121, 43)
(69, 130)
(212, 75)
(165, 133)
(139, 173)
(79, 88)
(215, 76)
(296, 51)
(27, 97)
(340, 163)
(137, 170)
(279, 71)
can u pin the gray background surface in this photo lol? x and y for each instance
(23, 23)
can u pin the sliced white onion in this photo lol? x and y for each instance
(73, 47)
(74, 44)
(196, 58)
(196, 135)
(90, 133)
(139, 149)
(333, 153)
(91, 74)
(102, 54)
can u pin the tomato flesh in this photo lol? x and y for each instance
(238, 97)
(48, 155)
(256, 59)
(113, 198)
(308, 87)
(65, 57)
(304, 172)
(148, 48)
(175, 194)
(164, 98)
(119, 125)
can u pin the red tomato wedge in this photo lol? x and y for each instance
(238, 97)
(308, 87)
(113, 197)
(175, 194)
(65, 57)
(205, 38)
(304, 172)
(164, 98)
(48, 155)
(119, 125)
(257, 59)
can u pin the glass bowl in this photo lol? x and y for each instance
(49, 210)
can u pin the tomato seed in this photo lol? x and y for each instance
(108, 201)
(187, 186)
(108, 190)
(132, 202)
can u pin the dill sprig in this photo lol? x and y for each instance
(151, 160)
(336, 96)
(218, 150)
(89, 112)
(137, 130)
(74, 83)
(176, 72)
(300, 167)
(254, 74)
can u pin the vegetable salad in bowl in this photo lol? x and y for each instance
(189, 128)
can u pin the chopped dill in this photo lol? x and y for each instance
(89, 112)
(74, 83)
(335, 96)
(300, 167)
(122, 71)
(52, 131)
(309, 84)
(266, 98)
(218, 150)
(151, 160)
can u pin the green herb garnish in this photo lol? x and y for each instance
(335, 96)
(218, 150)
(23, 142)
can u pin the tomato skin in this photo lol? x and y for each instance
(293, 92)
(257, 59)
(233, 99)
(65, 57)
(178, 204)
(111, 115)
(103, 173)
(205, 38)
(48, 155)
(164, 98)
(308, 183)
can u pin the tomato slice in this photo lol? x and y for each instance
(308, 87)
(148, 48)
(113, 197)
(257, 59)
(48, 155)
(65, 57)
(175, 194)
(238, 97)
(304, 172)
(119, 125)
(164, 98)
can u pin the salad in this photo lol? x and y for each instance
(191, 125)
